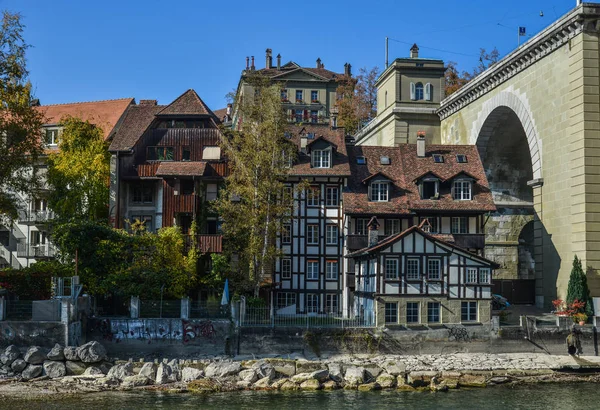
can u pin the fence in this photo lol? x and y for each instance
(263, 317)
(160, 308)
(19, 310)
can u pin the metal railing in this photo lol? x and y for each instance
(264, 317)
(25, 250)
(19, 310)
(160, 308)
(37, 216)
(200, 310)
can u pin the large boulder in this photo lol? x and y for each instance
(9, 355)
(91, 352)
(18, 365)
(189, 374)
(136, 381)
(386, 380)
(149, 370)
(355, 376)
(56, 353)
(264, 369)
(74, 368)
(93, 371)
(54, 369)
(70, 353)
(284, 367)
(248, 375)
(222, 369)
(335, 372)
(163, 374)
(121, 371)
(394, 368)
(35, 355)
(175, 370)
(32, 371)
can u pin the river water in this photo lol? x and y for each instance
(578, 396)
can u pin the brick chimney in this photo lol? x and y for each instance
(252, 63)
(373, 227)
(420, 144)
(319, 62)
(269, 58)
(414, 51)
(278, 62)
(348, 69)
(247, 63)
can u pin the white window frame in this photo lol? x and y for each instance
(312, 270)
(285, 299)
(331, 234)
(312, 234)
(393, 226)
(431, 268)
(313, 196)
(410, 274)
(462, 190)
(313, 94)
(332, 196)
(418, 312)
(331, 269)
(379, 191)
(433, 223)
(391, 268)
(457, 226)
(55, 132)
(471, 275)
(331, 303)
(312, 303)
(484, 275)
(286, 268)
(321, 158)
(471, 315)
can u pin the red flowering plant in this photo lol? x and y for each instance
(575, 310)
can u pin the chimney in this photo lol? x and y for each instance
(348, 69)
(420, 144)
(269, 58)
(229, 108)
(319, 62)
(247, 63)
(278, 61)
(148, 102)
(303, 142)
(252, 64)
(373, 227)
(414, 51)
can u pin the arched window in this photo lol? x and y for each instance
(419, 91)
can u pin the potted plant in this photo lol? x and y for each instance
(575, 310)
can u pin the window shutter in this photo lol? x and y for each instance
(412, 91)
(428, 92)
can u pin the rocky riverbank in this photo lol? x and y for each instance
(65, 371)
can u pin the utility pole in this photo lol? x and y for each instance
(386, 51)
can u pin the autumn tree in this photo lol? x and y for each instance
(253, 203)
(21, 141)
(78, 173)
(455, 79)
(357, 99)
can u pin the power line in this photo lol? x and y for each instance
(435, 49)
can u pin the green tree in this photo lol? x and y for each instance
(21, 141)
(253, 203)
(578, 287)
(78, 173)
(357, 99)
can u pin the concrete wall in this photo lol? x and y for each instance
(30, 333)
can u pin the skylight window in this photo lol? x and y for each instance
(310, 135)
(461, 158)
(361, 160)
(384, 160)
(438, 159)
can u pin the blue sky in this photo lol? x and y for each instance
(148, 49)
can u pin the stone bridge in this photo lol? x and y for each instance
(535, 116)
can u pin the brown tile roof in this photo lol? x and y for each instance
(105, 114)
(136, 120)
(195, 168)
(291, 67)
(220, 113)
(405, 169)
(334, 136)
(188, 103)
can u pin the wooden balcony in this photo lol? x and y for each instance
(207, 243)
(355, 242)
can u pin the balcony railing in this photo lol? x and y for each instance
(207, 243)
(46, 250)
(36, 217)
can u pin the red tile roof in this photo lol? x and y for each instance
(188, 103)
(405, 169)
(291, 67)
(173, 169)
(136, 120)
(105, 114)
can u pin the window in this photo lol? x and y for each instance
(461, 158)
(314, 116)
(331, 303)
(361, 160)
(284, 96)
(312, 234)
(412, 269)
(438, 158)
(312, 303)
(360, 226)
(146, 221)
(160, 153)
(187, 186)
(210, 152)
(433, 312)
(314, 96)
(286, 268)
(429, 189)
(286, 234)
(212, 191)
(460, 224)
(379, 191)
(142, 193)
(433, 223)
(312, 270)
(298, 95)
(471, 275)
(433, 269)
(186, 154)
(312, 196)
(391, 268)
(298, 115)
(331, 234)
(468, 311)
(384, 160)
(331, 270)
(391, 312)
(321, 158)
(285, 299)
(392, 226)
(419, 91)
(331, 196)
(412, 312)
(484, 275)
(462, 190)
(4, 238)
(52, 137)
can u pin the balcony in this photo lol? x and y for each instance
(355, 242)
(207, 243)
(470, 240)
(36, 217)
(39, 251)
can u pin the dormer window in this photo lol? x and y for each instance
(379, 191)
(361, 160)
(438, 158)
(321, 158)
(52, 137)
(430, 188)
(462, 190)
(461, 158)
